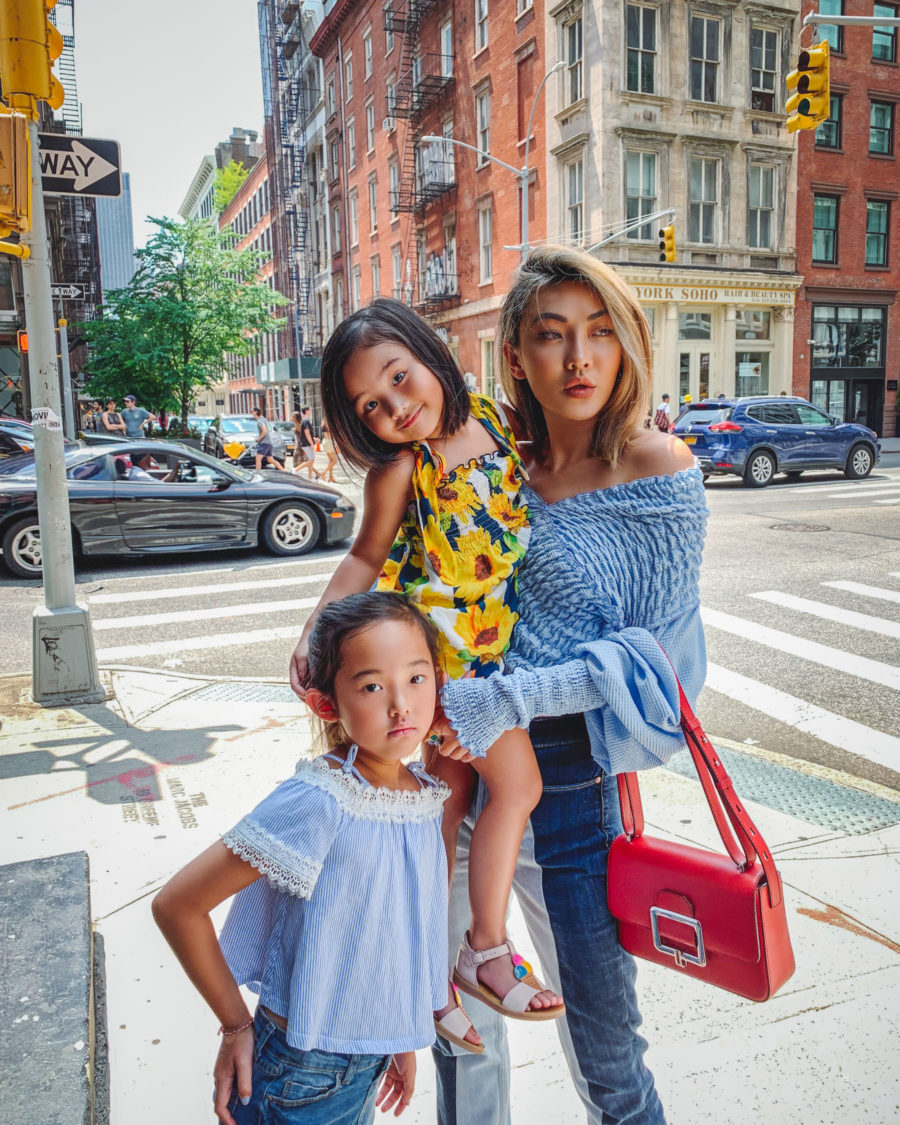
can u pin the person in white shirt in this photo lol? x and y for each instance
(662, 419)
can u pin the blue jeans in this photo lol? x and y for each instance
(561, 886)
(312, 1087)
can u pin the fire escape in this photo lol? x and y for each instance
(427, 173)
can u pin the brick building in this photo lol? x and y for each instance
(428, 223)
(847, 325)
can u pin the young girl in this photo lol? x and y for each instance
(444, 524)
(341, 881)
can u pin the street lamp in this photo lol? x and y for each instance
(521, 174)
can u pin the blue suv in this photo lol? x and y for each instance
(755, 438)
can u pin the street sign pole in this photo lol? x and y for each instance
(70, 428)
(64, 663)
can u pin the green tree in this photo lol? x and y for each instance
(226, 183)
(194, 299)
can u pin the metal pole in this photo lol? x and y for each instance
(64, 662)
(524, 174)
(71, 431)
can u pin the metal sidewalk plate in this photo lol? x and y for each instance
(236, 692)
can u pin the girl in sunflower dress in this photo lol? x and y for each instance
(444, 524)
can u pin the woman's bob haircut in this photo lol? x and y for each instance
(627, 407)
(380, 322)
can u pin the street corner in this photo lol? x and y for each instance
(21, 716)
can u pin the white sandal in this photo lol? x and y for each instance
(515, 1002)
(454, 1025)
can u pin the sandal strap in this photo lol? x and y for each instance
(456, 1022)
(479, 956)
(519, 997)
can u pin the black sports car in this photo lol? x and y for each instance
(150, 497)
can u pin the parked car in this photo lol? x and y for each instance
(180, 500)
(233, 430)
(17, 436)
(286, 429)
(198, 422)
(757, 437)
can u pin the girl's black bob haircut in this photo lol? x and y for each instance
(380, 322)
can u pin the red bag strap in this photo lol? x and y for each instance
(725, 806)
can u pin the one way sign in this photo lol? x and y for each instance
(79, 165)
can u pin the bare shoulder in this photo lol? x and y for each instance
(654, 454)
(394, 473)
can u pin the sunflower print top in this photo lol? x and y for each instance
(459, 547)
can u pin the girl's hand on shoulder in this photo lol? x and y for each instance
(398, 1083)
(233, 1069)
(299, 669)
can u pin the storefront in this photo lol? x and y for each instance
(730, 335)
(847, 366)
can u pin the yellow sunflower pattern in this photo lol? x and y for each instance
(460, 546)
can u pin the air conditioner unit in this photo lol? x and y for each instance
(388, 124)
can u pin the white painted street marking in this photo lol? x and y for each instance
(221, 613)
(883, 490)
(831, 613)
(844, 486)
(178, 568)
(861, 666)
(835, 730)
(196, 644)
(866, 591)
(897, 501)
(124, 598)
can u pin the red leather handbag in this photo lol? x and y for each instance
(716, 918)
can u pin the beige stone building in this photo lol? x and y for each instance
(673, 105)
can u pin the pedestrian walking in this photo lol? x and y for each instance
(135, 418)
(265, 446)
(662, 419)
(111, 420)
(618, 519)
(305, 443)
(329, 450)
(455, 550)
(340, 883)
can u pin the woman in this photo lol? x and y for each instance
(329, 451)
(618, 516)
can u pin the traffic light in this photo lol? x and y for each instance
(22, 338)
(15, 173)
(29, 44)
(810, 102)
(667, 244)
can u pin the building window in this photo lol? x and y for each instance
(704, 174)
(481, 24)
(884, 37)
(390, 89)
(334, 159)
(351, 143)
(877, 215)
(881, 128)
(704, 58)
(640, 190)
(370, 127)
(763, 68)
(483, 124)
(397, 272)
(373, 205)
(575, 200)
(640, 43)
(848, 336)
(825, 221)
(760, 206)
(446, 49)
(573, 33)
(751, 324)
(828, 134)
(376, 277)
(487, 366)
(330, 100)
(367, 54)
(353, 211)
(485, 242)
(348, 76)
(336, 230)
(833, 32)
(356, 289)
(388, 29)
(393, 184)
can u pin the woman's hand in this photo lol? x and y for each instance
(299, 669)
(233, 1068)
(398, 1083)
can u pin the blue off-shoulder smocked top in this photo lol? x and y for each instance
(609, 605)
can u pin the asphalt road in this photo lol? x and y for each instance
(800, 589)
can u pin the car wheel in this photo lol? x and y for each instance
(794, 474)
(290, 528)
(22, 548)
(759, 470)
(860, 462)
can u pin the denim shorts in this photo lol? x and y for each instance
(312, 1087)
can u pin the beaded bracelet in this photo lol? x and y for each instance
(230, 1032)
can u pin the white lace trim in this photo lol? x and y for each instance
(364, 802)
(282, 866)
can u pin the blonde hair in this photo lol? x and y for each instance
(628, 403)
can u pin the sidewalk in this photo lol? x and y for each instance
(144, 782)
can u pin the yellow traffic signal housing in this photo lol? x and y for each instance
(809, 86)
(15, 174)
(667, 244)
(22, 340)
(29, 43)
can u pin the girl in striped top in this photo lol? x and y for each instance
(340, 877)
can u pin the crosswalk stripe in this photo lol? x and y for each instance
(234, 568)
(843, 486)
(835, 730)
(897, 501)
(216, 588)
(882, 491)
(831, 613)
(222, 613)
(176, 646)
(861, 666)
(866, 591)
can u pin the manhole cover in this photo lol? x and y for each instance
(799, 527)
